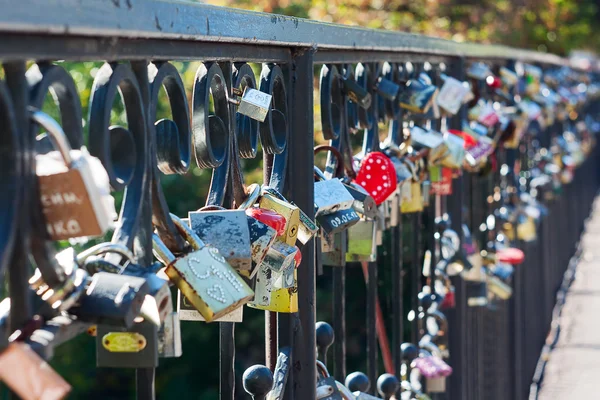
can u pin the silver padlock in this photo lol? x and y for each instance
(330, 196)
(254, 103)
(452, 94)
(334, 248)
(228, 232)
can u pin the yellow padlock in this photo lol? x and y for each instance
(290, 212)
(526, 230)
(414, 203)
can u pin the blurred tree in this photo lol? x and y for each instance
(557, 26)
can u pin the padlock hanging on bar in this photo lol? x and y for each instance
(253, 103)
(74, 187)
(204, 276)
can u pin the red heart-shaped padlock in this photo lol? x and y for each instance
(377, 176)
(510, 255)
(449, 300)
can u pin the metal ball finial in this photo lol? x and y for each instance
(357, 382)
(387, 385)
(258, 381)
(425, 300)
(325, 338)
(409, 351)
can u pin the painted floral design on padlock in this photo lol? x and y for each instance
(377, 176)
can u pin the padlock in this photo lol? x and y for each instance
(417, 96)
(111, 299)
(411, 199)
(429, 139)
(453, 94)
(274, 290)
(355, 92)
(387, 89)
(290, 212)
(262, 237)
(63, 296)
(509, 77)
(327, 388)
(526, 230)
(476, 293)
(436, 384)
(362, 241)
(331, 196)
(169, 337)
(334, 248)
(74, 187)
(478, 71)
(279, 300)
(307, 228)
(338, 221)
(499, 288)
(449, 301)
(253, 103)
(441, 180)
(264, 226)
(455, 154)
(377, 176)
(204, 276)
(227, 231)
(29, 376)
(280, 257)
(363, 203)
(157, 303)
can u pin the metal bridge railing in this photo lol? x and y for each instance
(492, 349)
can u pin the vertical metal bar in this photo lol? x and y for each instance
(227, 361)
(301, 169)
(144, 377)
(457, 331)
(18, 273)
(415, 274)
(397, 296)
(227, 329)
(371, 325)
(339, 323)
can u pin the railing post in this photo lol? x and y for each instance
(301, 143)
(456, 316)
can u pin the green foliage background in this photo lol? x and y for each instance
(556, 26)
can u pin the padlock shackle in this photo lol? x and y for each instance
(341, 163)
(253, 193)
(104, 248)
(188, 234)
(161, 251)
(55, 133)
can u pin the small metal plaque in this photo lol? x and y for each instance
(124, 342)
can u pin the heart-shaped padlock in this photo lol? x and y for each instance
(449, 300)
(377, 176)
(510, 255)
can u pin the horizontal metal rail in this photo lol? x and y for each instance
(179, 21)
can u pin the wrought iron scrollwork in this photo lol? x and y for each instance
(10, 181)
(104, 142)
